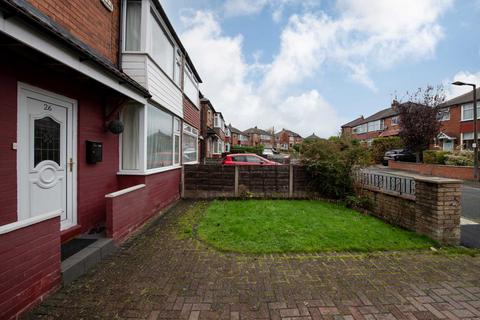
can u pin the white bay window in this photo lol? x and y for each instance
(133, 17)
(190, 144)
(150, 141)
(161, 49)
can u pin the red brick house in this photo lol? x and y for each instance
(97, 117)
(238, 137)
(212, 130)
(260, 137)
(457, 123)
(384, 123)
(455, 115)
(286, 139)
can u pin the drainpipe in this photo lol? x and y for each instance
(120, 35)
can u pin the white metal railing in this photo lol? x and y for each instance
(388, 183)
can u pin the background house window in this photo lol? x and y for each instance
(219, 123)
(130, 137)
(375, 125)
(218, 146)
(160, 135)
(396, 121)
(444, 115)
(132, 25)
(360, 129)
(265, 137)
(161, 49)
(467, 112)
(190, 144)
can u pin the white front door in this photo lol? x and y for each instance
(46, 155)
(447, 145)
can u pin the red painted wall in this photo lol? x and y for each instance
(191, 114)
(8, 157)
(30, 266)
(127, 212)
(453, 172)
(94, 181)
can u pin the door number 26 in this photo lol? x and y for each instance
(47, 107)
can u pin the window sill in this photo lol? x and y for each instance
(148, 172)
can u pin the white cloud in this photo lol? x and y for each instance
(365, 35)
(227, 84)
(464, 76)
(244, 7)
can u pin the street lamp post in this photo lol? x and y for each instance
(475, 133)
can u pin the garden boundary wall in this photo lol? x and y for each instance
(427, 205)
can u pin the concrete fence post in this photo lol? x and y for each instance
(236, 180)
(290, 182)
(438, 209)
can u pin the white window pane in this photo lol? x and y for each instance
(190, 88)
(177, 149)
(161, 48)
(132, 26)
(130, 138)
(159, 138)
(190, 146)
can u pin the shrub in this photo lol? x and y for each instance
(247, 149)
(330, 165)
(435, 157)
(382, 145)
(458, 160)
(359, 202)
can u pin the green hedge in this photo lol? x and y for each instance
(435, 156)
(247, 149)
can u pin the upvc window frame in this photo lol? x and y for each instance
(470, 105)
(443, 115)
(142, 149)
(193, 132)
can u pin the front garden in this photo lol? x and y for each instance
(281, 226)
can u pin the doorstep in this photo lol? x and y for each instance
(79, 263)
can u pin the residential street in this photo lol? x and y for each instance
(160, 275)
(470, 236)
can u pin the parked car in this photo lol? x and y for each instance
(247, 159)
(399, 155)
(267, 152)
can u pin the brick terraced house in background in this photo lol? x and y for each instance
(214, 131)
(260, 137)
(286, 139)
(238, 137)
(455, 116)
(384, 123)
(100, 108)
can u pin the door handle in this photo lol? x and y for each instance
(70, 164)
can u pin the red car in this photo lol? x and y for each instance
(247, 159)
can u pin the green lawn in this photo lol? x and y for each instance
(274, 226)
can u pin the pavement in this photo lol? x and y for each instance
(163, 274)
(470, 225)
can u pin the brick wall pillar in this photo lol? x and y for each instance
(438, 209)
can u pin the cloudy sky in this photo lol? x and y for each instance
(311, 65)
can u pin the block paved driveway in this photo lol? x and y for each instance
(158, 276)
